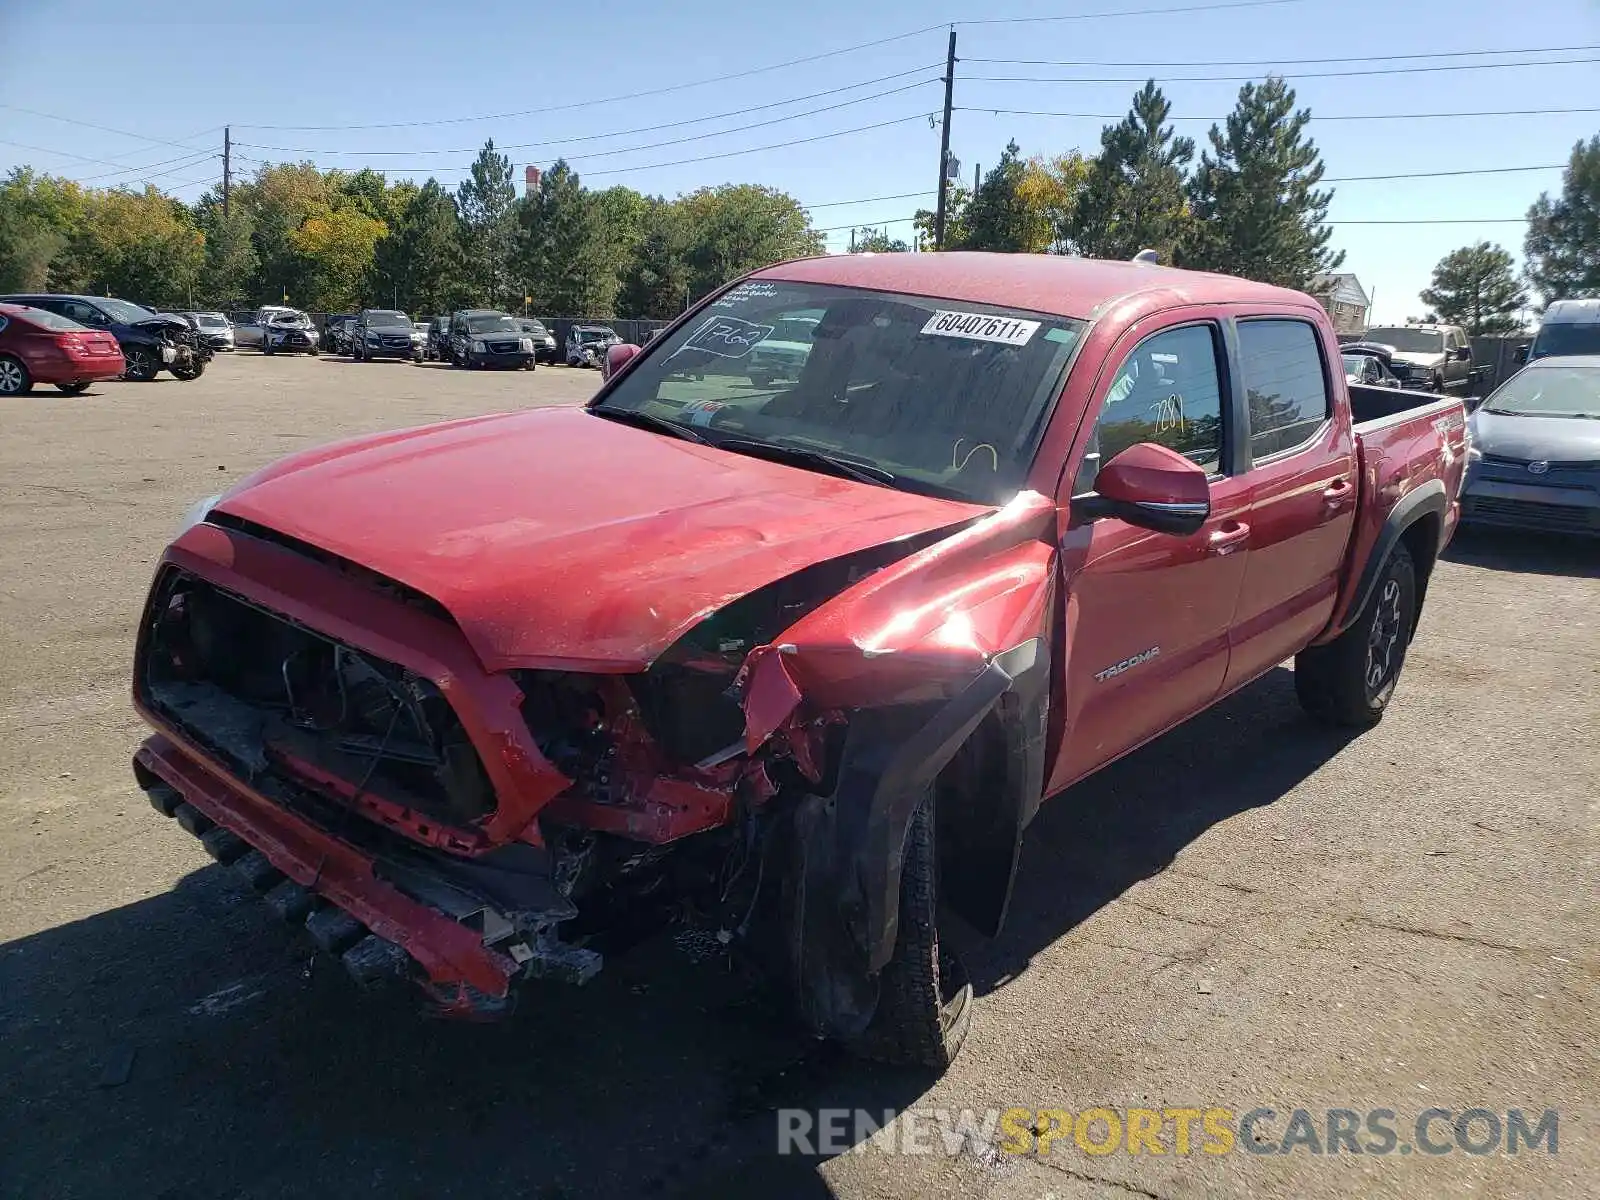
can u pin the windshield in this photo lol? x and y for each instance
(595, 335)
(124, 312)
(533, 327)
(948, 398)
(1550, 391)
(291, 318)
(1354, 365)
(492, 323)
(383, 317)
(1408, 341)
(211, 321)
(1566, 338)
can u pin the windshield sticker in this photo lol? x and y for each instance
(726, 337)
(980, 327)
(746, 292)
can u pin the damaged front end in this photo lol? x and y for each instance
(332, 735)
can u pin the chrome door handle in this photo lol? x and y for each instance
(1228, 539)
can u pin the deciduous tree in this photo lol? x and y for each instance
(738, 227)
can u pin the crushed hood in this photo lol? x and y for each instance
(558, 538)
(163, 321)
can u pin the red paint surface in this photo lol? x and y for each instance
(58, 356)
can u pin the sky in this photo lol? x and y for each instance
(112, 93)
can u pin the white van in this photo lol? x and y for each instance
(1569, 327)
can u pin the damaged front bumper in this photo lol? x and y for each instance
(389, 915)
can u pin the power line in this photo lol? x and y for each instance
(821, 137)
(1554, 62)
(870, 199)
(651, 145)
(1439, 221)
(1315, 117)
(1129, 12)
(183, 161)
(105, 162)
(1444, 174)
(1288, 62)
(33, 112)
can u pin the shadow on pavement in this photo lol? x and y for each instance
(189, 1046)
(1526, 551)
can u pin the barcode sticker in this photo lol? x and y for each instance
(981, 327)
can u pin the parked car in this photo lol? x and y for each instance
(437, 347)
(798, 668)
(1369, 364)
(39, 346)
(1567, 327)
(1438, 357)
(384, 333)
(483, 337)
(290, 333)
(149, 341)
(544, 342)
(587, 344)
(336, 332)
(783, 352)
(1535, 456)
(249, 333)
(214, 328)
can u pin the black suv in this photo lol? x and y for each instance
(544, 342)
(484, 337)
(383, 333)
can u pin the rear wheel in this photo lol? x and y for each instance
(14, 377)
(925, 997)
(141, 363)
(1349, 680)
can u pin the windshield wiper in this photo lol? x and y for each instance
(630, 416)
(863, 472)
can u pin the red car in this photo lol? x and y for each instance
(792, 664)
(41, 347)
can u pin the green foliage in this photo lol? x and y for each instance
(1133, 192)
(419, 266)
(564, 247)
(957, 199)
(1475, 287)
(1255, 208)
(39, 217)
(997, 217)
(877, 241)
(1563, 239)
(737, 227)
(486, 202)
(141, 245)
(655, 279)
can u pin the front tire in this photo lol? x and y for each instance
(141, 364)
(924, 997)
(14, 377)
(1349, 681)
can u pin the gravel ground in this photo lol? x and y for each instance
(1249, 913)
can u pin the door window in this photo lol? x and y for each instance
(1168, 391)
(1284, 382)
(84, 314)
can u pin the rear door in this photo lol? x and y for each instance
(1148, 614)
(1303, 475)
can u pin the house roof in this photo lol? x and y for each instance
(1344, 288)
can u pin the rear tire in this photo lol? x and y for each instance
(14, 377)
(925, 998)
(1348, 681)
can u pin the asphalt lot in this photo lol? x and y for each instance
(1251, 912)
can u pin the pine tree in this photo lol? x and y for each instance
(1563, 241)
(996, 218)
(1134, 198)
(488, 226)
(1256, 211)
(1476, 288)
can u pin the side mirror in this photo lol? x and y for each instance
(1464, 353)
(618, 357)
(1152, 487)
(1522, 354)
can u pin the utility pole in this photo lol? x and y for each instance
(977, 176)
(227, 167)
(944, 141)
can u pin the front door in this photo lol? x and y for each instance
(1148, 614)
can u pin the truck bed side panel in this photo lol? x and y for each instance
(1416, 451)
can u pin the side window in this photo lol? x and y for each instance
(83, 314)
(1169, 391)
(1284, 383)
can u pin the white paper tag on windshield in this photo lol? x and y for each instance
(981, 327)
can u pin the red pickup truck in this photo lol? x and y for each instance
(794, 662)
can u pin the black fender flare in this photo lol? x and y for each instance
(841, 902)
(1425, 500)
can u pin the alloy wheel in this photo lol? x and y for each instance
(12, 378)
(1383, 637)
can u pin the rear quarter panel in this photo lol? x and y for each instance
(1398, 456)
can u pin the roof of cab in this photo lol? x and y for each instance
(1052, 283)
(1572, 312)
